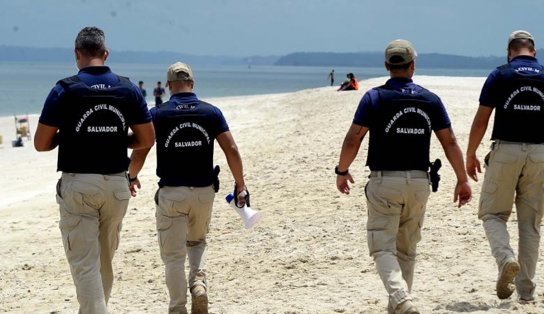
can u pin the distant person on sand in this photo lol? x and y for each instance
(186, 131)
(331, 77)
(514, 167)
(88, 116)
(350, 84)
(142, 89)
(158, 92)
(400, 116)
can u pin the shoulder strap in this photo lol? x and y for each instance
(124, 79)
(204, 103)
(374, 94)
(66, 82)
(504, 67)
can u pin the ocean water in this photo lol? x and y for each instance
(25, 85)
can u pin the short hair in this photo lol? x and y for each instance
(91, 41)
(159, 82)
(140, 82)
(521, 43)
(396, 67)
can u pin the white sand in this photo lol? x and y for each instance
(309, 255)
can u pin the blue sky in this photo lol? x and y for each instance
(274, 27)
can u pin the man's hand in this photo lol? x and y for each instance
(133, 185)
(462, 193)
(473, 165)
(241, 194)
(342, 183)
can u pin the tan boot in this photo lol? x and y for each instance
(507, 273)
(199, 304)
(406, 307)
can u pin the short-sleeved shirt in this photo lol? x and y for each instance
(92, 133)
(186, 129)
(516, 91)
(401, 116)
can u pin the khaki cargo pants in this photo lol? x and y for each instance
(92, 207)
(515, 173)
(396, 207)
(183, 220)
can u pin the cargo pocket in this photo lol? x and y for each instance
(487, 199)
(489, 187)
(206, 202)
(173, 204)
(537, 158)
(504, 157)
(382, 197)
(206, 198)
(163, 224)
(380, 240)
(422, 196)
(123, 197)
(67, 224)
(86, 194)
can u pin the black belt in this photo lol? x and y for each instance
(414, 174)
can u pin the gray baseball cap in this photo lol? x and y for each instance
(179, 72)
(400, 52)
(520, 34)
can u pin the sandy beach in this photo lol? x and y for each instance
(308, 255)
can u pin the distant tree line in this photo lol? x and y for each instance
(359, 59)
(27, 54)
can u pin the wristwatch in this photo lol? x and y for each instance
(340, 173)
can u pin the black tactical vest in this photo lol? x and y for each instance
(400, 133)
(185, 144)
(519, 115)
(93, 132)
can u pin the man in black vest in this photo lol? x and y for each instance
(515, 165)
(186, 131)
(401, 117)
(88, 117)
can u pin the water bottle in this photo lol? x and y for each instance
(249, 216)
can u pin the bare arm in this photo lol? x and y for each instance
(137, 159)
(477, 132)
(350, 148)
(46, 138)
(142, 136)
(462, 192)
(234, 160)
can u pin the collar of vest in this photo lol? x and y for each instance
(184, 97)
(524, 58)
(398, 82)
(95, 69)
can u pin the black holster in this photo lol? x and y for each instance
(433, 174)
(216, 171)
